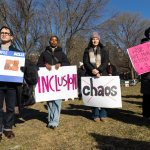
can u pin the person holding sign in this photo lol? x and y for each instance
(145, 84)
(53, 56)
(95, 61)
(7, 89)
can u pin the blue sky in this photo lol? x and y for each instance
(133, 6)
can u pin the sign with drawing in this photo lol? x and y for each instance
(10, 65)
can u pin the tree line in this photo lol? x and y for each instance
(33, 21)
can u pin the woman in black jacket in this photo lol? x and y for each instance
(53, 55)
(95, 61)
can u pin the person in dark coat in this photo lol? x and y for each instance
(8, 90)
(81, 73)
(145, 84)
(111, 69)
(95, 61)
(53, 55)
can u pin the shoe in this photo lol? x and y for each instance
(103, 119)
(97, 119)
(52, 127)
(0, 137)
(9, 134)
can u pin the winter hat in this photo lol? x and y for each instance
(95, 35)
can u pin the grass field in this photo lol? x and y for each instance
(125, 129)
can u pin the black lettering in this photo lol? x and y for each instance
(113, 92)
(107, 90)
(86, 88)
(100, 91)
(93, 89)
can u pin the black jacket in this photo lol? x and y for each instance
(89, 67)
(52, 58)
(145, 83)
(10, 85)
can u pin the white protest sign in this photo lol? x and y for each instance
(10, 65)
(56, 84)
(101, 92)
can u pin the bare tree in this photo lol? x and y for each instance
(124, 31)
(23, 17)
(73, 16)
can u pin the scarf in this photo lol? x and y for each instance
(95, 56)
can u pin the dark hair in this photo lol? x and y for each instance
(5, 27)
(54, 36)
(144, 40)
(91, 44)
(147, 33)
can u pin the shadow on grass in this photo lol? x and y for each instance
(30, 113)
(132, 96)
(115, 143)
(78, 110)
(134, 102)
(127, 116)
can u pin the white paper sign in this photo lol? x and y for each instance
(10, 64)
(101, 92)
(56, 84)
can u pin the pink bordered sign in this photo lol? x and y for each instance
(140, 57)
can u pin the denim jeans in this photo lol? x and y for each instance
(7, 119)
(99, 112)
(54, 108)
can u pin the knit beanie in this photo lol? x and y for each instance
(95, 35)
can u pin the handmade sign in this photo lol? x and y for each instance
(140, 57)
(101, 92)
(10, 65)
(56, 84)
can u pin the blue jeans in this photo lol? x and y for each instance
(54, 108)
(7, 119)
(99, 112)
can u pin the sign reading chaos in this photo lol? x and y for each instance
(56, 84)
(140, 57)
(10, 65)
(101, 92)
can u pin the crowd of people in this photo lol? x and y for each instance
(96, 63)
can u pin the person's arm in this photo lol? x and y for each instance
(42, 63)
(104, 61)
(64, 60)
(86, 61)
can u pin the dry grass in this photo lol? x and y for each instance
(125, 128)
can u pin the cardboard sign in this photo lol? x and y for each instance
(140, 57)
(56, 84)
(10, 65)
(101, 92)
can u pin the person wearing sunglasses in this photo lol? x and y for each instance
(7, 89)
